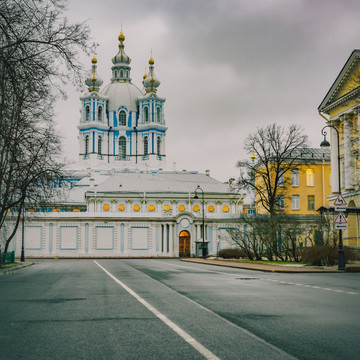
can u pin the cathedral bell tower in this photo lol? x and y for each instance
(93, 127)
(122, 126)
(151, 126)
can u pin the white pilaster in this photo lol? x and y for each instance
(171, 240)
(357, 112)
(334, 161)
(348, 161)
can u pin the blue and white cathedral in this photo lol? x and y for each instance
(120, 124)
(122, 201)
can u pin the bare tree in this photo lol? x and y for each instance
(275, 149)
(38, 54)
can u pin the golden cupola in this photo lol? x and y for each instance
(93, 82)
(151, 82)
(121, 68)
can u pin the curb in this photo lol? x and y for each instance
(14, 268)
(271, 268)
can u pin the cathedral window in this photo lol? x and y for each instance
(158, 145)
(122, 148)
(87, 113)
(122, 118)
(99, 145)
(146, 146)
(86, 144)
(100, 113)
(146, 114)
(158, 114)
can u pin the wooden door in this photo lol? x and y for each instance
(184, 244)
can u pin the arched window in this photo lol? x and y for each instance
(146, 114)
(158, 145)
(146, 146)
(100, 113)
(99, 144)
(158, 114)
(87, 113)
(86, 144)
(122, 148)
(122, 118)
(121, 73)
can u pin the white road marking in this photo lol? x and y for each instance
(311, 286)
(189, 339)
(282, 353)
(273, 280)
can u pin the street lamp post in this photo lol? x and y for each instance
(324, 144)
(204, 247)
(22, 258)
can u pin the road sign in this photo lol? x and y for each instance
(340, 219)
(340, 203)
(340, 222)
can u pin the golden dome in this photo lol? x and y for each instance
(94, 60)
(151, 61)
(121, 36)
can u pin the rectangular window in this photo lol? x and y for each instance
(309, 177)
(280, 202)
(295, 177)
(281, 178)
(295, 202)
(311, 202)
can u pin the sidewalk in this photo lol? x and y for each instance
(10, 268)
(286, 268)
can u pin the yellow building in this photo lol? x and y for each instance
(342, 107)
(304, 188)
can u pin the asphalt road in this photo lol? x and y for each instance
(167, 309)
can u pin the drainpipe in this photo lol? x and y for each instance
(136, 145)
(110, 127)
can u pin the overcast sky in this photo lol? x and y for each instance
(226, 67)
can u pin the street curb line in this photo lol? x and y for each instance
(308, 271)
(15, 268)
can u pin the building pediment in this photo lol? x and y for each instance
(346, 87)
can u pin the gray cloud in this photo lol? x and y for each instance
(226, 67)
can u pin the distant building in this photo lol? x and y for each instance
(342, 105)
(121, 201)
(305, 187)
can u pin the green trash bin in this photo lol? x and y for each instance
(8, 257)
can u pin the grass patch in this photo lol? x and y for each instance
(10, 265)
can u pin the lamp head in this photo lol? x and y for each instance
(324, 143)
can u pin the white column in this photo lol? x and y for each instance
(357, 112)
(348, 161)
(334, 161)
(171, 239)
